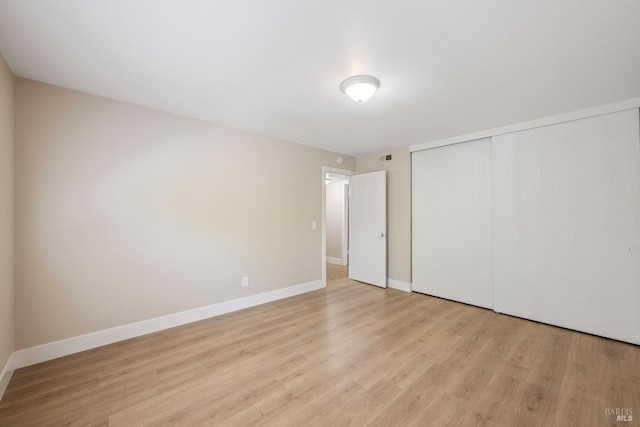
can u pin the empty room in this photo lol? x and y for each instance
(290, 213)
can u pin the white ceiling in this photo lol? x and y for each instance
(446, 67)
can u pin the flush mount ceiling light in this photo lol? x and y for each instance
(360, 88)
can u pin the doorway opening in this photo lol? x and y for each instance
(335, 220)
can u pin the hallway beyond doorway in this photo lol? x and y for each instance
(336, 272)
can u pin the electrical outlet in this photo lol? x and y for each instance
(245, 281)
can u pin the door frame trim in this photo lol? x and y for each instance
(323, 251)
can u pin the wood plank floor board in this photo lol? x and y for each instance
(414, 405)
(45, 401)
(215, 409)
(584, 349)
(577, 402)
(620, 390)
(412, 340)
(265, 412)
(535, 402)
(483, 347)
(459, 394)
(524, 351)
(532, 406)
(348, 355)
(355, 409)
(211, 386)
(333, 395)
(497, 396)
(406, 369)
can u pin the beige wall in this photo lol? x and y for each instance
(334, 218)
(125, 213)
(398, 208)
(6, 213)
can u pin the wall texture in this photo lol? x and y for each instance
(6, 213)
(125, 214)
(398, 209)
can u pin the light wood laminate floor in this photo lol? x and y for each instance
(350, 354)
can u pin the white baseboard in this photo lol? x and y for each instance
(5, 376)
(337, 261)
(42, 353)
(397, 284)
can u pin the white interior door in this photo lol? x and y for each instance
(451, 202)
(368, 228)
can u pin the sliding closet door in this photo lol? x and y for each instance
(451, 204)
(567, 225)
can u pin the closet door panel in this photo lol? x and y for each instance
(566, 221)
(451, 204)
